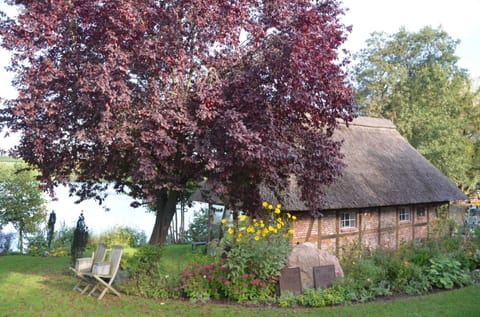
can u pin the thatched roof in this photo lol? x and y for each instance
(382, 169)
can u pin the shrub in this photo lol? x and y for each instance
(258, 246)
(6, 241)
(249, 287)
(287, 299)
(331, 296)
(255, 251)
(125, 236)
(200, 282)
(445, 272)
(147, 277)
(36, 244)
(80, 239)
(62, 241)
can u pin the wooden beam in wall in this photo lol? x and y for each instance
(414, 213)
(337, 231)
(319, 239)
(397, 223)
(379, 236)
(360, 235)
(309, 231)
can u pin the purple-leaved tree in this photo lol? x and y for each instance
(155, 96)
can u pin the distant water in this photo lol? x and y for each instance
(114, 211)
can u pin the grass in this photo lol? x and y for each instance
(38, 286)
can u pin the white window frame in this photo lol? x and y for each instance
(348, 220)
(405, 214)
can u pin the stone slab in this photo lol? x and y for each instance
(323, 276)
(290, 280)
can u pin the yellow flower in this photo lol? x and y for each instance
(239, 234)
(279, 206)
(242, 217)
(264, 204)
(290, 231)
(230, 230)
(294, 218)
(257, 238)
(224, 221)
(250, 229)
(270, 228)
(289, 215)
(279, 226)
(270, 207)
(277, 211)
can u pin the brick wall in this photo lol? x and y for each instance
(375, 227)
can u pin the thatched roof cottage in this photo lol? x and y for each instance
(388, 192)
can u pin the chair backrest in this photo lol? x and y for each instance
(115, 257)
(100, 253)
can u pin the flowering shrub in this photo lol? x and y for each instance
(204, 281)
(258, 248)
(249, 287)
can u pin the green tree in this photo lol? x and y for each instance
(198, 229)
(413, 78)
(21, 200)
(80, 238)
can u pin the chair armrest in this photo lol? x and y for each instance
(83, 264)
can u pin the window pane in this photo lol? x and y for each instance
(404, 214)
(348, 220)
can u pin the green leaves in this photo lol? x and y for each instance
(447, 273)
(21, 201)
(413, 79)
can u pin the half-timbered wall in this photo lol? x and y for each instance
(374, 227)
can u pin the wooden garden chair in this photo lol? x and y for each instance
(103, 273)
(85, 265)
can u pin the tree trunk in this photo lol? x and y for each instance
(182, 222)
(20, 240)
(165, 207)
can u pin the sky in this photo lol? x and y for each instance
(458, 18)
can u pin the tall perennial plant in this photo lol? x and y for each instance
(256, 251)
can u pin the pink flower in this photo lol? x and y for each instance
(255, 281)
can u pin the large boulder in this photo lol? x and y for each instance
(306, 256)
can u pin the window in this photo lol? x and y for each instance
(421, 212)
(348, 220)
(405, 214)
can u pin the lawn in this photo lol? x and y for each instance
(42, 286)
